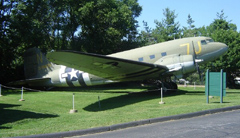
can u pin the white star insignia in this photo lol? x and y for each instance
(73, 74)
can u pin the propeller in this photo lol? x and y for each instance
(196, 62)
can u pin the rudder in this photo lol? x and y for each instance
(36, 64)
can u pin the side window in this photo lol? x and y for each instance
(152, 56)
(140, 59)
(203, 42)
(163, 54)
(209, 40)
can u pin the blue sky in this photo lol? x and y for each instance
(203, 12)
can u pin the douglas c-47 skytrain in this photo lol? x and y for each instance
(155, 62)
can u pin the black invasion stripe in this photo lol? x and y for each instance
(68, 79)
(130, 74)
(69, 82)
(135, 73)
(80, 80)
(140, 75)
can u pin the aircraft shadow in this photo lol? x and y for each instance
(237, 92)
(13, 115)
(220, 102)
(128, 99)
(10, 92)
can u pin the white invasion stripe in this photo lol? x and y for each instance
(62, 76)
(86, 79)
(76, 83)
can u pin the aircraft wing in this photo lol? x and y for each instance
(107, 67)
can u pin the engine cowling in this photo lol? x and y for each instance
(178, 64)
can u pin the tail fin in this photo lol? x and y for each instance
(36, 64)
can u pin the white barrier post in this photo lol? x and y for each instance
(161, 97)
(73, 101)
(0, 90)
(194, 85)
(73, 110)
(22, 96)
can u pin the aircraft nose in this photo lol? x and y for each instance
(223, 47)
(220, 49)
(213, 51)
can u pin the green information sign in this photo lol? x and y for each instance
(215, 84)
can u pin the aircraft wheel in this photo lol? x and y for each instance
(174, 85)
(165, 87)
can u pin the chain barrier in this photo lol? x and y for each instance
(29, 89)
(14, 88)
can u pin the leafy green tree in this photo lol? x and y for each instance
(190, 22)
(168, 28)
(105, 23)
(145, 37)
(220, 23)
(98, 26)
(189, 31)
(5, 35)
(224, 31)
(26, 24)
(66, 21)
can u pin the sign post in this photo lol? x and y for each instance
(207, 85)
(215, 84)
(221, 87)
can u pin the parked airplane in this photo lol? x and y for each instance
(157, 61)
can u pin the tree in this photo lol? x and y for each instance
(189, 31)
(98, 26)
(224, 31)
(106, 23)
(190, 22)
(6, 61)
(221, 23)
(66, 21)
(145, 37)
(168, 28)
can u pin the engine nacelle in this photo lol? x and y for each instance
(178, 64)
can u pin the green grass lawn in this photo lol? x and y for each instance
(48, 112)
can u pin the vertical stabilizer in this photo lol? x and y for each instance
(36, 64)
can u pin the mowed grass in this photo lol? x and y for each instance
(48, 112)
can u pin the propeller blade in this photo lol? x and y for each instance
(194, 52)
(196, 62)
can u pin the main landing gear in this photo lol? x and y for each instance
(167, 86)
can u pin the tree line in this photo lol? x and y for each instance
(219, 30)
(97, 26)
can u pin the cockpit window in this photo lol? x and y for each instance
(203, 42)
(209, 40)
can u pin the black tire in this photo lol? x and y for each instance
(174, 85)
